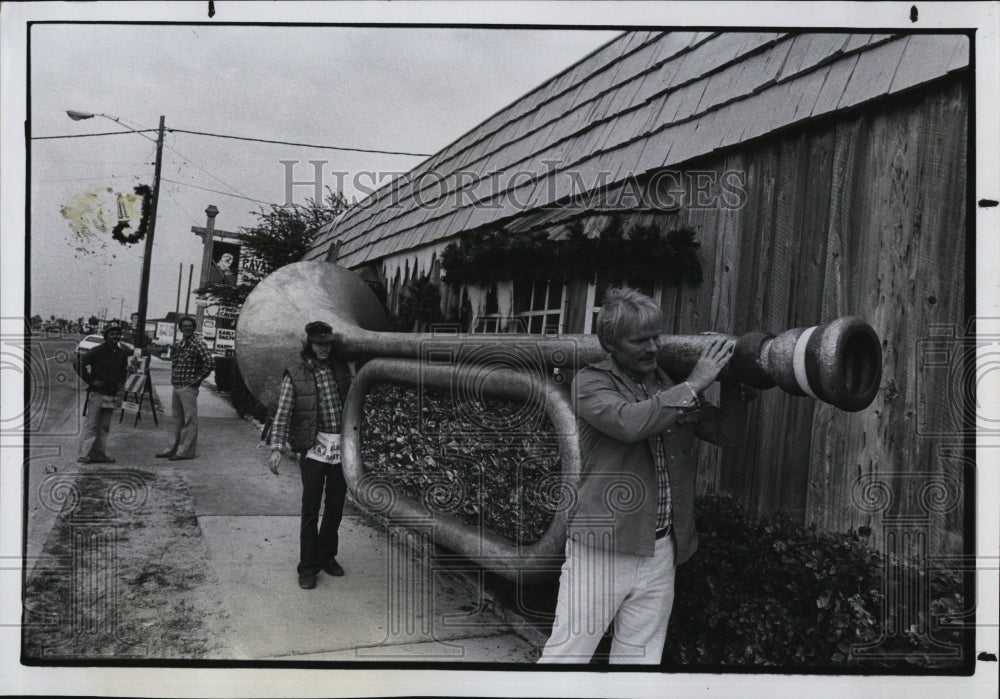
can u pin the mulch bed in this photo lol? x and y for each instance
(488, 462)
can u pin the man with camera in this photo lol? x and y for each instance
(103, 368)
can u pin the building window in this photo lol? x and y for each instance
(539, 305)
(492, 323)
(599, 289)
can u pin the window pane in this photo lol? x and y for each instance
(538, 302)
(600, 292)
(644, 288)
(522, 295)
(555, 296)
(492, 306)
(536, 324)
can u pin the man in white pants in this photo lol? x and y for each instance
(633, 521)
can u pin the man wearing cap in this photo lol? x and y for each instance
(103, 368)
(308, 422)
(191, 363)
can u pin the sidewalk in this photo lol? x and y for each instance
(390, 606)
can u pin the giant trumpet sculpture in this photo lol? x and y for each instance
(838, 363)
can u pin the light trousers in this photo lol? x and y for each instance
(598, 585)
(96, 426)
(184, 410)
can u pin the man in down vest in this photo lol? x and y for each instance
(103, 368)
(308, 423)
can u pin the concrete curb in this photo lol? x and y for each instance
(420, 546)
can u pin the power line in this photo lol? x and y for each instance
(245, 138)
(188, 161)
(180, 206)
(304, 145)
(216, 191)
(102, 177)
(88, 135)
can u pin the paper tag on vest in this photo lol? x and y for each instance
(111, 401)
(326, 448)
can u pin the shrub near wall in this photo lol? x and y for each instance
(775, 593)
(240, 397)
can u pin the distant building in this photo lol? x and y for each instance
(224, 261)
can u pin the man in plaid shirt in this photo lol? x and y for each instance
(308, 422)
(191, 364)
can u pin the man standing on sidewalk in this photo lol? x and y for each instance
(308, 422)
(191, 364)
(633, 520)
(103, 368)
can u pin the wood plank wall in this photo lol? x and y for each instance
(863, 216)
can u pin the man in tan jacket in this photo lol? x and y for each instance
(633, 521)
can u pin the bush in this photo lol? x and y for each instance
(240, 397)
(223, 373)
(773, 592)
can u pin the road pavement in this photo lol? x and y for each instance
(393, 604)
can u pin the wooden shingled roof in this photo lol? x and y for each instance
(644, 101)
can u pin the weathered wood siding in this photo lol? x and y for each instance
(862, 216)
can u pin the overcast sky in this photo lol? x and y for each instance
(396, 89)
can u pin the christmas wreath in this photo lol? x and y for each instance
(147, 204)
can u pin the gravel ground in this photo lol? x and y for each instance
(124, 573)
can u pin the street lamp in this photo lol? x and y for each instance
(140, 337)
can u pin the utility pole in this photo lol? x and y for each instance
(147, 255)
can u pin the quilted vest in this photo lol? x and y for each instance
(302, 430)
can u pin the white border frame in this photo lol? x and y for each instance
(154, 681)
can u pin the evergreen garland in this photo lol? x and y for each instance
(147, 204)
(642, 254)
(419, 306)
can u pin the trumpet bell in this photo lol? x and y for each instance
(271, 327)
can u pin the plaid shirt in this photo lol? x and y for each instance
(328, 401)
(191, 361)
(664, 501)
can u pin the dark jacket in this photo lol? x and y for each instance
(302, 428)
(106, 364)
(618, 428)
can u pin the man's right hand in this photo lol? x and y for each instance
(274, 460)
(713, 359)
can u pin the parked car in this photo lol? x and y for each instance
(91, 341)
